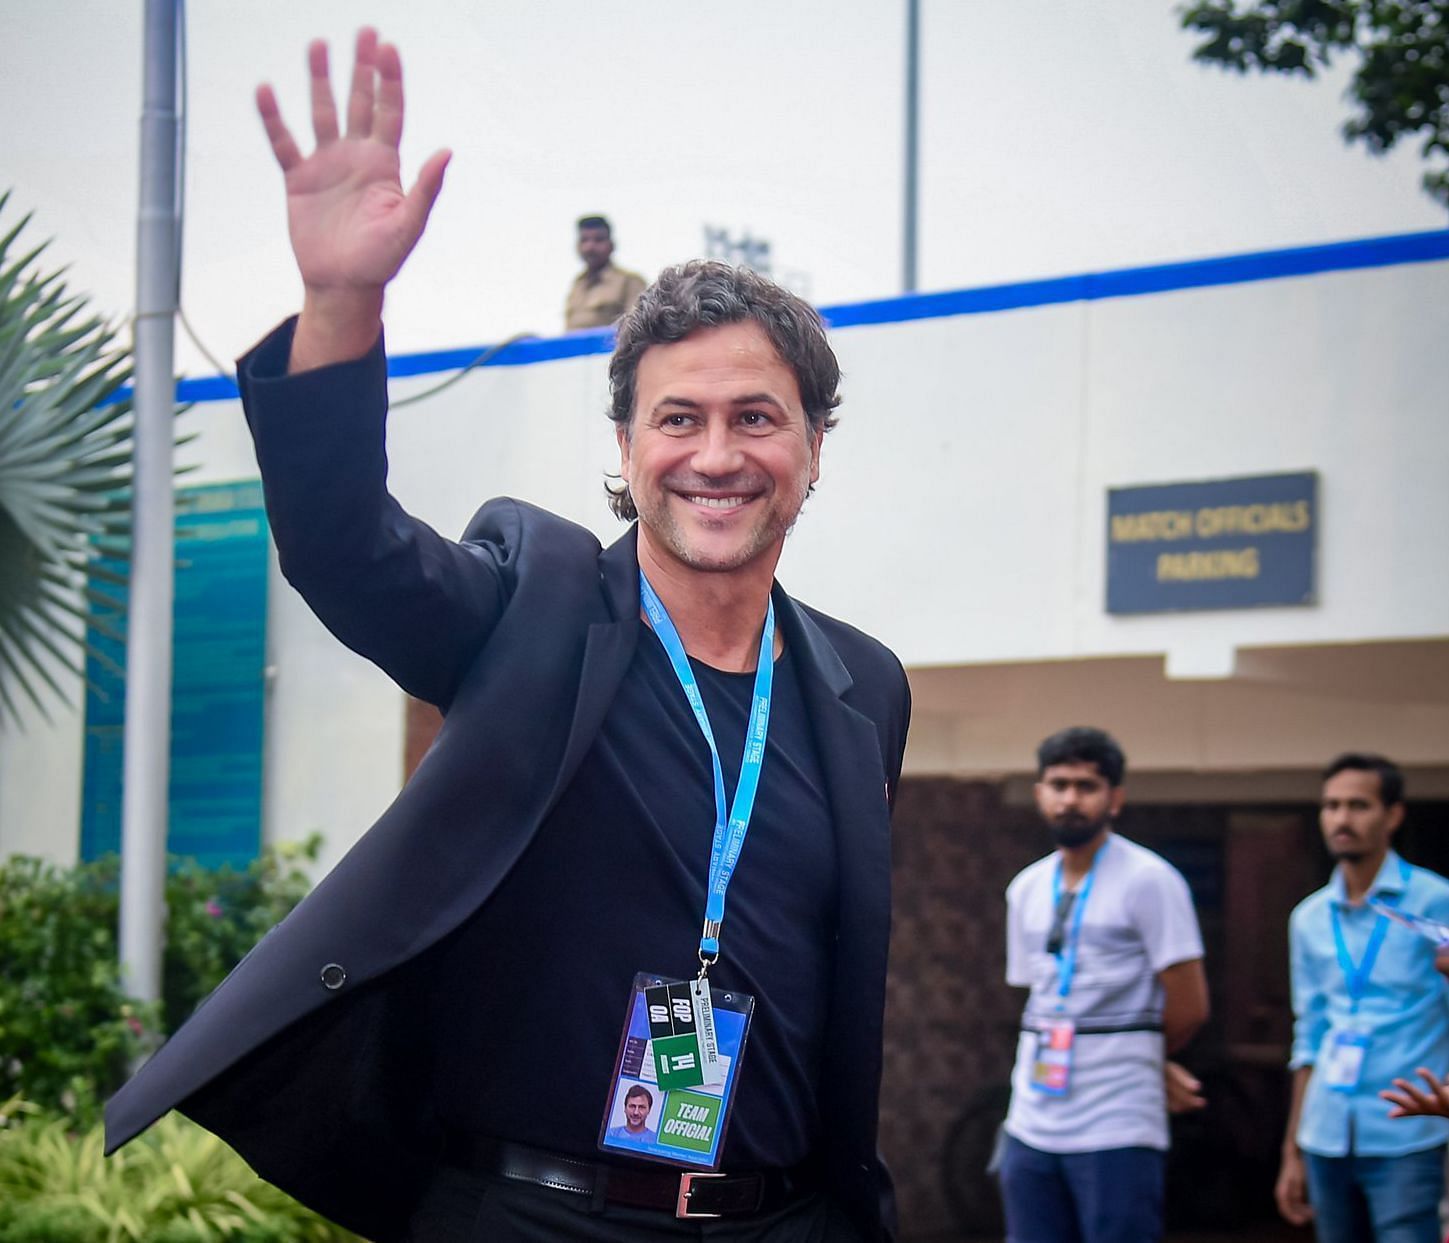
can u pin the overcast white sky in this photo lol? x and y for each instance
(1056, 138)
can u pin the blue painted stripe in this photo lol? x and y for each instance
(203, 388)
(519, 354)
(1374, 252)
(1162, 278)
(400, 366)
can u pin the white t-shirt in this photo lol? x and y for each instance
(1139, 920)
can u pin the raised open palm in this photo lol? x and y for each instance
(351, 223)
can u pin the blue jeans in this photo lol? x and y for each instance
(1376, 1199)
(1111, 1196)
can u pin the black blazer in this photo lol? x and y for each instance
(304, 1058)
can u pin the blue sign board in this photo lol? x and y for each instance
(217, 688)
(1215, 544)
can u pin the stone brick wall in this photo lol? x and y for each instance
(951, 1021)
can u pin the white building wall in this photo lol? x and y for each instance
(960, 514)
(974, 454)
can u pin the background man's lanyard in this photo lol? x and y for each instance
(1067, 957)
(729, 831)
(1357, 977)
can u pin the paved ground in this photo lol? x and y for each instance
(1269, 1232)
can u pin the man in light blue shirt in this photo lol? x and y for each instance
(635, 1130)
(1369, 1007)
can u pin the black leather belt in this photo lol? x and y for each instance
(1099, 1029)
(684, 1193)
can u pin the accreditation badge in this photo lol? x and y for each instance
(1051, 1069)
(1343, 1066)
(676, 1071)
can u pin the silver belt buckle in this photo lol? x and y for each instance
(686, 1189)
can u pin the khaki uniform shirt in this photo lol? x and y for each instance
(602, 302)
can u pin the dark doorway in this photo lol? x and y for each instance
(951, 1021)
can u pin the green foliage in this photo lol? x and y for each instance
(1401, 85)
(213, 917)
(65, 454)
(176, 1184)
(67, 1031)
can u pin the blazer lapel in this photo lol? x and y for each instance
(850, 753)
(855, 777)
(608, 649)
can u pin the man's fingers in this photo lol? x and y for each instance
(1409, 1100)
(1293, 1204)
(324, 108)
(1183, 1089)
(388, 121)
(1291, 1192)
(1436, 1084)
(420, 199)
(1398, 1099)
(284, 146)
(1287, 1206)
(360, 94)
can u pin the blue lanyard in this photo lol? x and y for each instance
(1067, 957)
(1357, 977)
(729, 831)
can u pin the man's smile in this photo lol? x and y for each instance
(733, 501)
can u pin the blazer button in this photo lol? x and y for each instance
(333, 976)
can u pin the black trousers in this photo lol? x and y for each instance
(463, 1207)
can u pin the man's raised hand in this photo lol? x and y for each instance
(351, 223)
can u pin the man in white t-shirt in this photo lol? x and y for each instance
(1104, 934)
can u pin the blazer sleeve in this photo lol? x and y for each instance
(386, 584)
(895, 753)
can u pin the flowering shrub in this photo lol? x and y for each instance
(214, 917)
(67, 1031)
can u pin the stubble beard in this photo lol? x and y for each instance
(767, 532)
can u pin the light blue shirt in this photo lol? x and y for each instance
(621, 1134)
(1403, 1010)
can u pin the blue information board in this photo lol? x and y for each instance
(217, 688)
(1215, 544)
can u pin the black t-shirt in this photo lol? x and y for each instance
(529, 998)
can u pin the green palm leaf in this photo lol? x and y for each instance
(65, 477)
